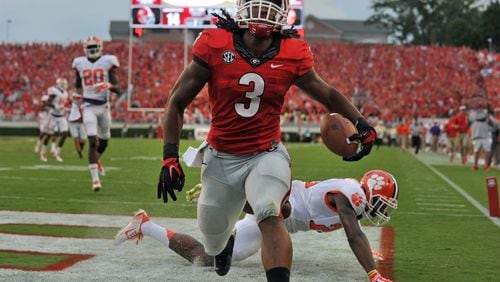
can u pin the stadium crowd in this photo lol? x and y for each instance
(390, 82)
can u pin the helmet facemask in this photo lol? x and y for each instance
(92, 47)
(262, 17)
(382, 192)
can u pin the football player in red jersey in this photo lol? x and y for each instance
(249, 65)
(321, 206)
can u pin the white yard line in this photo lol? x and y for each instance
(461, 191)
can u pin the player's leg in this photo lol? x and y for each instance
(90, 120)
(221, 201)
(103, 134)
(183, 244)
(267, 187)
(248, 238)
(74, 132)
(477, 151)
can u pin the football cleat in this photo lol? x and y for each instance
(100, 168)
(96, 185)
(58, 158)
(222, 261)
(133, 229)
(43, 156)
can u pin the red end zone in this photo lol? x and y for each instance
(385, 267)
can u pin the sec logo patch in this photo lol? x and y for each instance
(228, 57)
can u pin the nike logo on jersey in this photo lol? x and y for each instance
(273, 66)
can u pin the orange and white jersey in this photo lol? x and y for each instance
(58, 103)
(93, 73)
(310, 207)
(75, 113)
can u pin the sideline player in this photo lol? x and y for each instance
(76, 126)
(249, 65)
(96, 77)
(58, 125)
(43, 119)
(322, 206)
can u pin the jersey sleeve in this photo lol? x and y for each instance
(201, 50)
(307, 60)
(74, 65)
(114, 61)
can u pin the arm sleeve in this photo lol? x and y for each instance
(201, 51)
(114, 61)
(307, 59)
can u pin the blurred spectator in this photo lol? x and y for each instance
(380, 128)
(403, 130)
(435, 132)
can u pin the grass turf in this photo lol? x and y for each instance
(439, 234)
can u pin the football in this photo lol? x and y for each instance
(335, 129)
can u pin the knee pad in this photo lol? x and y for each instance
(266, 208)
(214, 225)
(101, 147)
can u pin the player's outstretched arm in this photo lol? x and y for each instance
(336, 102)
(327, 95)
(189, 84)
(358, 242)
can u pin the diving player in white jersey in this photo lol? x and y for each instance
(96, 77)
(58, 125)
(322, 206)
(76, 126)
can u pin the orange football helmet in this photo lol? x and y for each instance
(62, 83)
(382, 193)
(92, 46)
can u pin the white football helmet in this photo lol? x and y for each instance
(61, 82)
(92, 46)
(382, 191)
(262, 17)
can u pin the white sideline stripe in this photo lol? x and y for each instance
(87, 201)
(457, 188)
(75, 180)
(463, 211)
(151, 261)
(444, 214)
(440, 204)
(64, 167)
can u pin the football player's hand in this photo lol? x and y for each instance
(171, 174)
(102, 86)
(375, 276)
(366, 137)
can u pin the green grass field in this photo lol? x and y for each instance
(440, 235)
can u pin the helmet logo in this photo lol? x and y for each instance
(228, 57)
(376, 182)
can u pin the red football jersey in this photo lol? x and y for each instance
(247, 92)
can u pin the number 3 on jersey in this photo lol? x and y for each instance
(91, 77)
(254, 95)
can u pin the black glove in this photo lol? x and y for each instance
(366, 136)
(171, 174)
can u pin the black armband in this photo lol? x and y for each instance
(170, 150)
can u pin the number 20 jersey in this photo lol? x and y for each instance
(247, 92)
(93, 73)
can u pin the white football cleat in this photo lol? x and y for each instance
(58, 158)
(133, 229)
(43, 157)
(96, 185)
(100, 168)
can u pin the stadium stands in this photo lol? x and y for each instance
(390, 82)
